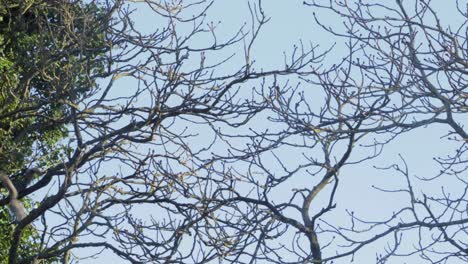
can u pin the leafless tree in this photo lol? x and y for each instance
(183, 153)
(403, 70)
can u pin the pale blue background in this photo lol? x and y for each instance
(290, 22)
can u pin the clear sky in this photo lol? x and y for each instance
(292, 22)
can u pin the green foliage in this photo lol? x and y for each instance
(30, 240)
(49, 51)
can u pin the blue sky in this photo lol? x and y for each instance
(292, 22)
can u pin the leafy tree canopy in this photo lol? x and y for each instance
(48, 51)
